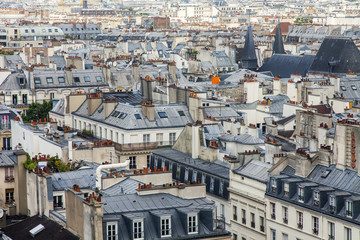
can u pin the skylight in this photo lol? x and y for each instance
(162, 115)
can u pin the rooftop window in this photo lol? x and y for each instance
(37, 80)
(162, 115)
(98, 78)
(192, 223)
(61, 79)
(165, 226)
(137, 116)
(49, 80)
(87, 79)
(181, 113)
(76, 79)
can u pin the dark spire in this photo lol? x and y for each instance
(278, 46)
(249, 59)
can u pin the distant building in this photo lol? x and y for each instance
(161, 23)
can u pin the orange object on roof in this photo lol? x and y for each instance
(215, 80)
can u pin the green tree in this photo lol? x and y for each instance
(37, 111)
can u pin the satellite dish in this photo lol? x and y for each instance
(1, 213)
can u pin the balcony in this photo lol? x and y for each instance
(300, 226)
(9, 178)
(142, 146)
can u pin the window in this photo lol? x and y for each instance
(286, 189)
(24, 99)
(61, 79)
(14, 98)
(222, 210)
(212, 183)
(332, 204)
(252, 217)
(26, 30)
(76, 79)
(181, 113)
(316, 198)
(348, 208)
(56, 30)
(300, 219)
(162, 115)
(186, 175)
(148, 161)
(9, 173)
(273, 185)
(159, 138)
(221, 187)
(285, 214)
(138, 229)
(21, 81)
(49, 30)
(49, 80)
(243, 216)
(32, 30)
(98, 78)
(52, 96)
(285, 236)
(301, 194)
(9, 195)
(146, 138)
(192, 224)
(273, 234)
(348, 234)
(234, 213)
(58, 202)
(194, 176)
(203, 178)
(137, 116)
(315, 225)
(262, 227)
(172, 138)
(235, 237)
(37, 80)
(166, 226)
(331, 231)
(273, 210)
(132, 164)
(87, 79)
(353, 87)
(111, 135)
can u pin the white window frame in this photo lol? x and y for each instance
(301, 194)
(111, 237)
(349, 208)
(166, 225)
(136, 233)
(348, 233)
(192, 222)
(186, 175)
(331, 226)
(212, 184)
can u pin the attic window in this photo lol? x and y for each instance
(181, 113)
(325, 174)
(353, 87)
(137, 116)
(87, 79)
(61, 79)
(37, 80)
(49, 80)
(343, 88)
(162, 115)
(21, 81)
(123, 115)
(76, 79)
(115, 114)
(98, 78)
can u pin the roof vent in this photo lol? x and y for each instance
(36, 230)
(325, 173)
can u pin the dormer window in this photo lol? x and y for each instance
(212, 183)
(192, 223)
(21, 81)
(301, 194)
(286, 189)
(37, 80)
(349, 208)
(49, 80)
(111, 230)
(273, 185)
(332, 204)
(316, 198)
(138, 229)
(165, 227)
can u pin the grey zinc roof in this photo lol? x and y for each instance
(346, 180)
(11, 82)
(137, 203)
(243, 139)
(221, 112)
(127, 186)
(195, 163)
(255, 169)
(131, 122)
(5, 160)
(84, 178)
(213, 131)
(59, 108)
(222, 60)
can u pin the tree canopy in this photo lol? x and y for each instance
(37, 111)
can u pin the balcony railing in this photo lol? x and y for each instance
(348, 213)
(262, 228)
(142, 146)
(300, 226)
(9, 178)
(315, 231)
(332, 209)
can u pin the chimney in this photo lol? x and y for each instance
(195, 145)
(148, 110)
(69, 77)
(172, 71)
(109, 106)
(135, 71)
(94, 101)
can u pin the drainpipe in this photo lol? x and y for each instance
(108, 166)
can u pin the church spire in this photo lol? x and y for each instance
(278, 46)
(249, 59)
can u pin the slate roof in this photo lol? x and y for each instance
(5, 160)
(242, 139)
(213, 131)
(222, 60)
(283, 65)
(11, 82)
(127, 186)
(255, 169)
(249, 59)
(84, 178)
(221, 112)
(129, 121)
(278, 46)
(216, 169)
(286, 120)
(53, 230)
(338, 52)
(59, 108)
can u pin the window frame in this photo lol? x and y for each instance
(192, 223)
(166, 225)
(136, 233)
